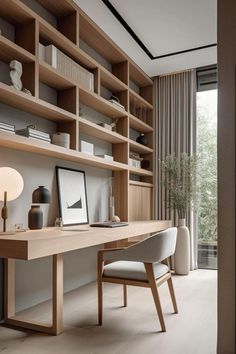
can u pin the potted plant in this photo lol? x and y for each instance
(179, 178)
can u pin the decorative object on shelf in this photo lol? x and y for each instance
(141, 139)
(72, 196)
(114, 124)
(115, 218)
(105, 125)
(179, 179)
(111, 201)
(135, 159)
(68, 67)
(41, 195)
(15, 74)
(11, 187)
(7, 127)
(31, 132)
(106, 157)
(61, 139)
(145, 164)
(35, 218)
(86, 148)
(115, 100)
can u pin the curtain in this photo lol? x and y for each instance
(175, 132)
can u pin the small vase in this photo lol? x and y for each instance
(182, 251)
(35, 218)
(141, 139)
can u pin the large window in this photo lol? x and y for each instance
(207, 152)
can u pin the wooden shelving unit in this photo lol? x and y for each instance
(72, 28)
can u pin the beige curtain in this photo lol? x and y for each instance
(175, 130)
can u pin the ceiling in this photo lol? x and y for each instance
(161, 36)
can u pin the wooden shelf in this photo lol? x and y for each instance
(27, 103)
(15, 12)
(142, 149)
(53, 36)
(52, 77)
(59, 8)
(139, 125)
(101, 133)
(100, 104)
(21, 143)
(141, 184)
(138, 76)
(10, 51)
(140, 171)
(112, 82)
(140, 101)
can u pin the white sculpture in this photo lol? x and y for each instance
(15, 74)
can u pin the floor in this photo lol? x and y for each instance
(131, 330)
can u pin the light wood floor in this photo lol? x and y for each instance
(131, 330)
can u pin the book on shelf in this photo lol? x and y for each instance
(7, 127)
(7, 130)
(39, 139)
(33, 132)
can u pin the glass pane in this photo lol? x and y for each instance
(207, 152)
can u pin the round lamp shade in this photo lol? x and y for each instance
(11, 182)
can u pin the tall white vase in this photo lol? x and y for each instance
(182, 252)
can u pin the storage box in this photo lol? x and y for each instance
(106, 157)
(134, 163)
(86, 148)
(67, 66)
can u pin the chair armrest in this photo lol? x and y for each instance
(101, 252)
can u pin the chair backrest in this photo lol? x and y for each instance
(152, 250)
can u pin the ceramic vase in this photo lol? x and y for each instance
(141, 139)
(35, 218)
(182, 251)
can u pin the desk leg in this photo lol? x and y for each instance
(57, 299)
(57, 312)
(9, 288)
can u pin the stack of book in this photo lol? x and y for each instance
(34, 134)
(116, 103)
(7, 127)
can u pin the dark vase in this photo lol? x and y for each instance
(145, 164)
(41, 195)
(35, 217)
(141, 139)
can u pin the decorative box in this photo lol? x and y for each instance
(134, 163)
(106, 157)
(86, 148)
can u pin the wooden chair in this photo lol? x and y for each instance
(139, 265)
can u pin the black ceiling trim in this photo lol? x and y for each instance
(140, 43)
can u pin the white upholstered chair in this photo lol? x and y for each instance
(144, 264)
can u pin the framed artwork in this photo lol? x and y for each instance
(72, 196)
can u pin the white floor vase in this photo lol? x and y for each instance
(182, 252)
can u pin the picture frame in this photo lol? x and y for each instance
(72, 196)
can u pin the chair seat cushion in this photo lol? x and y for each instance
(132, 270)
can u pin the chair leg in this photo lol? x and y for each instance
(125, 295)
(172, 294)
(100, 302)
(100, 265)
(155, 294)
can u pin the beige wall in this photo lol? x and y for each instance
(226, 176)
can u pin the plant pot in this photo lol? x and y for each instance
(182, 251)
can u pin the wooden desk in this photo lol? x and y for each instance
(54, 242)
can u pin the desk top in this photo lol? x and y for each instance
(46, 242)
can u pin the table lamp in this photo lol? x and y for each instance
(11, 186)
(41, 195)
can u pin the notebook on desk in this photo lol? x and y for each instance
(109, 224)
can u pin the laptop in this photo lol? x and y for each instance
(109, 224)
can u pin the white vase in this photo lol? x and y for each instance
(182, 251)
